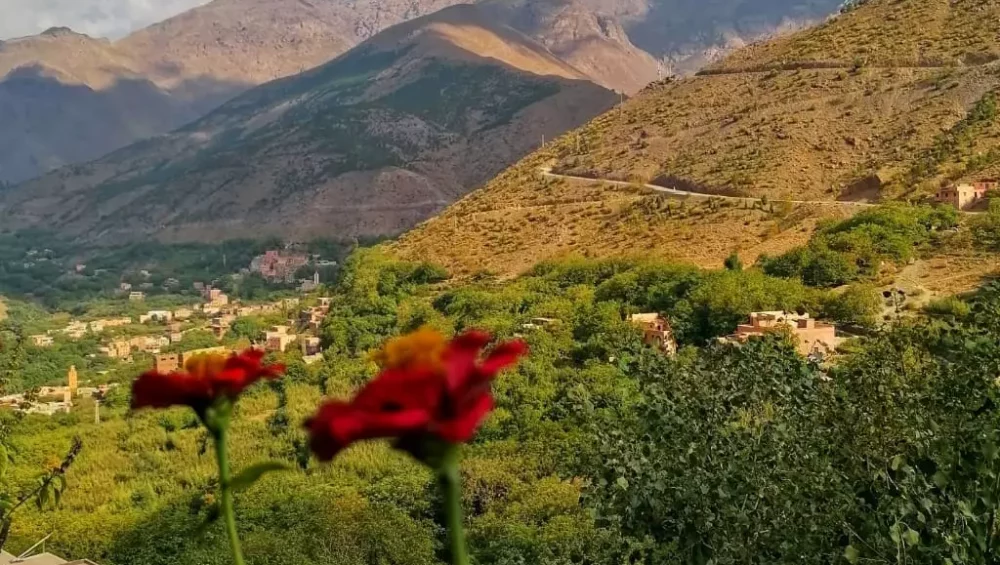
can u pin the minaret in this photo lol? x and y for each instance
(316, 278)
(71, 380)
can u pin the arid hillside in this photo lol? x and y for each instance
(371, 143)
(850, 133)
(893, 34)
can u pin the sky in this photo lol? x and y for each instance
(99, 18)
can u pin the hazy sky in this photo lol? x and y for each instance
(99, 18)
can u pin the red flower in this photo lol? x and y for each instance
(427, 388)
(204, 379)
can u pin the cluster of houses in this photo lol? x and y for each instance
(964, 196)
(77, 329)
(312, 318)
(278, 265)
(813, 338)
(41, 401)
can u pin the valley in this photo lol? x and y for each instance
(513, 282)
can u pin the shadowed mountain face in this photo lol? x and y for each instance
(48, 123)
(370, 143)
(68, 98)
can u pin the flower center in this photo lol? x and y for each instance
(422, 348)
(205, 365)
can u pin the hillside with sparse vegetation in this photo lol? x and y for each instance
(851, 132)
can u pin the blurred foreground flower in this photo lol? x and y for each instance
(430, 396)
(210, 384)
(428, 390)
(206, 380)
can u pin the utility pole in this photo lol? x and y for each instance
(97, 411)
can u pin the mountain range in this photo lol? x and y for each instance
(368, 144)
(70, 98)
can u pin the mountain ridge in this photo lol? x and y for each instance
(370, 143)
(207, 55)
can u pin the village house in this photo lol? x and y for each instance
(75, 329)
(42, 340)
(98, 326)
(312, 318)
(278, 338)
(812, 337)
(117, 349)
(278, 265)
(311, 346)
(964, 195)
(215, 299)
(136, 296)
(150, 344)
(656, 331)
(166, 362)
(183, 313)
(161, 316)
(309, 285)
(169, 362)
(125, 287)
(220, 325)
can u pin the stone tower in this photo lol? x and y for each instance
(71, 380)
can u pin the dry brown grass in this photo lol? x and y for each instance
(522, 218)
(889, 33)
(806, 134)
(854, 133)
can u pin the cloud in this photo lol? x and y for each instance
(98, 18)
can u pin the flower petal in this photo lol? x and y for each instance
(504, 355)
(466, 422)
(460, 358)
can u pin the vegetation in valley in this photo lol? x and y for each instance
(62, 273)
(595, 453)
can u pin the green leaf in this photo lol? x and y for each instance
(43, 497)
(852, 554)
(252, 474)
(897, 462)
(911, 537)
(622, 483)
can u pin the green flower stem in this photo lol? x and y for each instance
(225, 487)
(451, 489)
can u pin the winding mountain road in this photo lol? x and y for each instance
(547, 172)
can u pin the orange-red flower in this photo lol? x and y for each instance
(428, 388)
(204, 379)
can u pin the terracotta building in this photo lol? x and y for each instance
(167, 362)
(278, 339)
(117, 349)
(278, 265)
(656, 332)
(812, 336)
(964, 195)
